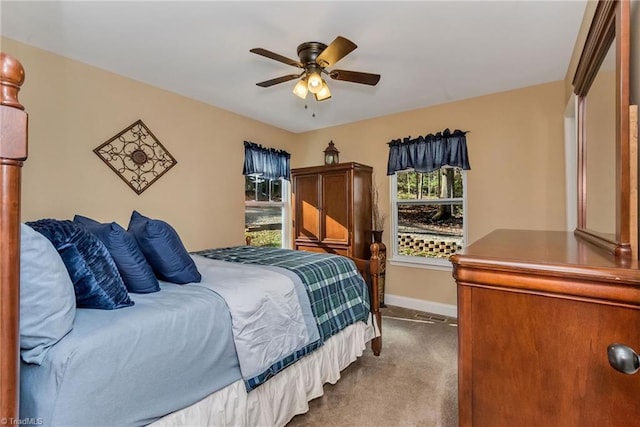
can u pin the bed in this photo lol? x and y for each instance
(194, 353)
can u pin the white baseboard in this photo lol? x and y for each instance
(422, 305)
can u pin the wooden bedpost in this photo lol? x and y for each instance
(376, 268)
(13, 151)
(370, 269)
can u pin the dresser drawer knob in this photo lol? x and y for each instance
(622, 358)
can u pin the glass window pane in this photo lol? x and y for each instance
(432, 231)
(444, 183)
(258, 189)
(262, 189)
(276, 190)
(264, 225)
(458, 190)
(249, 188)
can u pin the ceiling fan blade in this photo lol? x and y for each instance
(355, 77)
(338, 49)
(275, 56)
(282, 79)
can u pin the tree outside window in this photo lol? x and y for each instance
(428, 215)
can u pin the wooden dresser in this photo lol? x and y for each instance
(537, 311)
(332, 209)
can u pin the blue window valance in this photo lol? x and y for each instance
(429, 153)
(266, 162)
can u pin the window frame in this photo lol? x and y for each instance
(416, 261)
(284, 205)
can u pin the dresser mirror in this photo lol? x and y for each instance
(600, 149)
(605, 176)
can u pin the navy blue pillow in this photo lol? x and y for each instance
(163, 249)
(136, 272)
(94, 274)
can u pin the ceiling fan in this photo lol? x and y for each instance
(314, 58)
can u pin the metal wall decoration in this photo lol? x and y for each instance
(136, 156)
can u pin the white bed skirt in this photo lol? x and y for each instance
(277, 401)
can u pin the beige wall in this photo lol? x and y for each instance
(74, 107)
(515, 148)
(516, 153)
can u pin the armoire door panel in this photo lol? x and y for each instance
(308, 208)
(335, 207)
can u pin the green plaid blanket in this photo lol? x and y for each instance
(338, 294)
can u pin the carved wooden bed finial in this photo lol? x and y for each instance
(13, 150)
(11, 78)
(13, 120)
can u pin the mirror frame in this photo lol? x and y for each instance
(610, 22)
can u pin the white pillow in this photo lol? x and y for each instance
(47, 297)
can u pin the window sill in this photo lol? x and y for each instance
(445, 266)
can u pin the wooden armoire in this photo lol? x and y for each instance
(332, 209)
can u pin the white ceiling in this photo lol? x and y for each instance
(427, 52)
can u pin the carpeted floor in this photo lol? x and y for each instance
(412, 383)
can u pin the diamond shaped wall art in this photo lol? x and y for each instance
(136, 156)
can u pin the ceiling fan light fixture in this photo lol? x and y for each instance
(314, 82)
(300, 89)
(324, 92)
(313, 59)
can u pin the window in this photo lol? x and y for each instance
(266, 211)
(428, 215)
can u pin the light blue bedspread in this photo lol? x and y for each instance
(169, 350)
(270, 311)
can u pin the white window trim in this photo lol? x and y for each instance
(286, 211)
(422, 262)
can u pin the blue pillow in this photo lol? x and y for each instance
(136, 272)
(163, 249)
(47, 299)
(93, 272)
